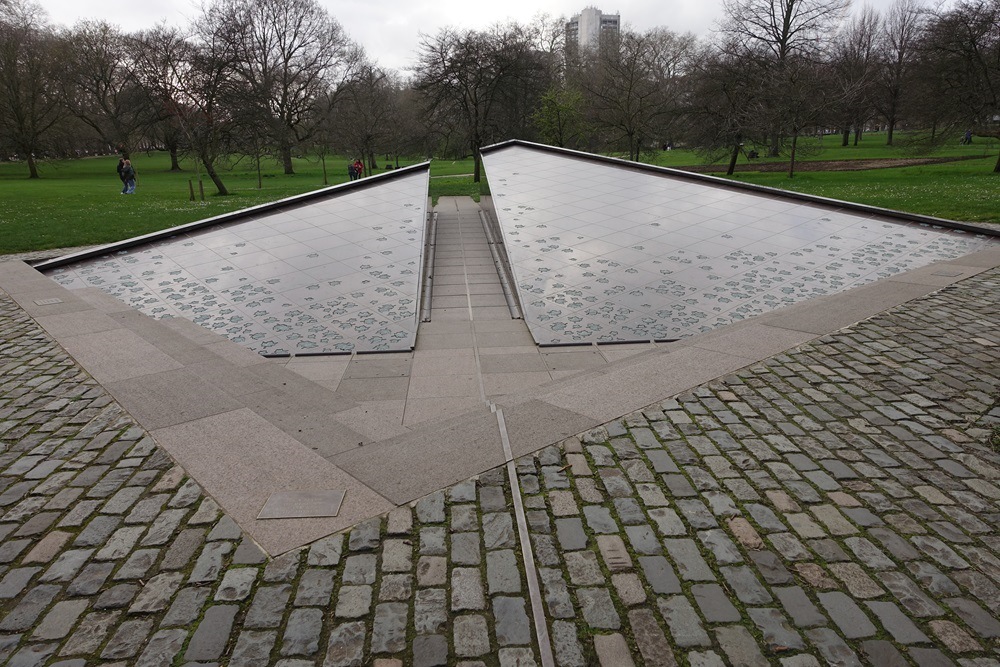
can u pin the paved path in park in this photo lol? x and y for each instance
(836, 504)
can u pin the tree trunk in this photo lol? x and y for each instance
(732, 159)
(32, 167)
(210, 170)
(322, 158)
(845, 135)
(996, 169)
(260, 183)
(286, 159)
(175, 165)
(791, 159)
(889, 131)
(857, 134)
(476, 170)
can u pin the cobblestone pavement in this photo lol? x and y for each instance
(838, 504)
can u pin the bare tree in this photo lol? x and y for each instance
(725, 107)
(898, 44)
(365, 112)
(782, 29)
(775, 33)
(191, 81)
(287, 52)
(469, 80)
(100, 87)
(30, 104)
(855, 65)
(965, 47)
(633, 85)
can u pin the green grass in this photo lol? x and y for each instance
(811, 149)
(76, 202)
(456, 186)
(966, 190)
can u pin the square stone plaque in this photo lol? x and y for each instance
(48, 302)
(302, 504)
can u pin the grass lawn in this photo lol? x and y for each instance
(77, 202)
(966, 190)
(811, 149)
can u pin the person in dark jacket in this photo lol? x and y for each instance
(121, 167)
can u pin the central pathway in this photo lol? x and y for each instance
(471, 351)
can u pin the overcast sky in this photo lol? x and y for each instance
(390, 29)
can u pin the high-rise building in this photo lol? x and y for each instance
(584, 30)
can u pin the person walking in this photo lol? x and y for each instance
(128, 176)
(359, 168)
(351, 171)
(121, 168)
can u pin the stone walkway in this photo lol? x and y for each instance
(838, 504)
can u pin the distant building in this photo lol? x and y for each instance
(584, 30)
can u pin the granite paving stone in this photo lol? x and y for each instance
(834, 504)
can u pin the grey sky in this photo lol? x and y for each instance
(389, 29)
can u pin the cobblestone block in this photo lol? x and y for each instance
(346, 645)
(430, 611)
(740, 647)
(156, 594)
(847, 615)
(209, 565)
(470, 636)
(212, 635)
(187, 607)
(690, 565)
(353, 601)
(357, 570)
(430, 651)
(323, 553)
(629, 589)
(365, 535)
(127, 641)
(683, 622)
(302, 633)
(432, 571)
(832, 648)
(512, 624)
(714, 603)
(467, 589)
(162, 648)
(502, 575)
(59, 620)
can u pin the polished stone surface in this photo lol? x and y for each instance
(602, 253)
(340, 274)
